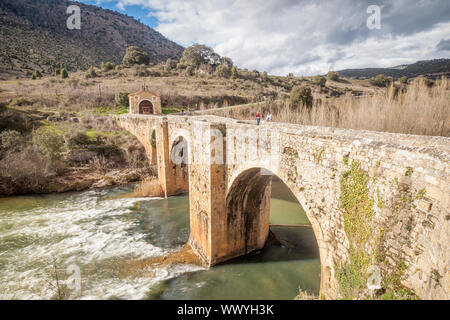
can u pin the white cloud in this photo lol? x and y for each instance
(304, 36)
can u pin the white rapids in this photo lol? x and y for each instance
(88, 230)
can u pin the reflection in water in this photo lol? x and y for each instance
(109, 236)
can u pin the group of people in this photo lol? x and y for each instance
(258, 117)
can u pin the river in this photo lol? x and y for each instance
(101, 231)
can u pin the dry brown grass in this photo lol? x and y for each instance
(149, 188)
(413, 109)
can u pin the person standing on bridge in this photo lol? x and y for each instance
(258, 118)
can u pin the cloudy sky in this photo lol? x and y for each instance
(305, 37)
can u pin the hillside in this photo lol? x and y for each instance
(34, 36)
(427, 68)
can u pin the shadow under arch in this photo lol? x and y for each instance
(248, 213)
(153, 152)
(179, 159)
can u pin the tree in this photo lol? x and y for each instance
(379, 81)
(121, 99)
(404, 80)
(170, 65)
(190, 71)
(64, 73)
(234, 73)
(320, 80)
(301, 95)
(198, 54)
(11, 140)
(91, 73)
(37, 74)
(135, 55)
(227, 62)
(107, 66)
(223, 71)
(49, 141)
(333, 75)
(265, 76)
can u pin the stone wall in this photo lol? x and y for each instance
(406, 191)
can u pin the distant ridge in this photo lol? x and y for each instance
(431, 68)
(34, 35)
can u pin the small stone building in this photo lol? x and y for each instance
(145, 103)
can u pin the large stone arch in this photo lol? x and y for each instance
(248, 214)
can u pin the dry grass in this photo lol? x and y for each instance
(413, 109)
(83, 96)
(149, 188)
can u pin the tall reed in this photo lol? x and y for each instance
(412, 109)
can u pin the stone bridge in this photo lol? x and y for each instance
(386, 194)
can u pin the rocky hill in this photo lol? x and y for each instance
(34, 36)
(430, 68)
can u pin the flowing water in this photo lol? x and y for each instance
(100, 231)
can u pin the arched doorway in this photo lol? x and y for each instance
(146, 107)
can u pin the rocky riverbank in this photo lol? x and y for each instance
(75, 179)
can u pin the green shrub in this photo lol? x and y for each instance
(198, 54)
(76, 138)
(121, 99)
(153, 139)
(19, 102)
(37, 74)
(190, 71)
(226, 62)
(404, 80)
(64, 73)
(223, 71)
(57, 72)
(91, 73)
(320, 80)
(11, 140)
(428, 82)
(170, 65)
(333, 75)
(107, 66)
(135, 55)
(234, 73)
(49, 141)
(379, 81)
(301, 95)
(180, 66)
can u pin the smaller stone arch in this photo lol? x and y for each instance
(179, 160)
(146, 107)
